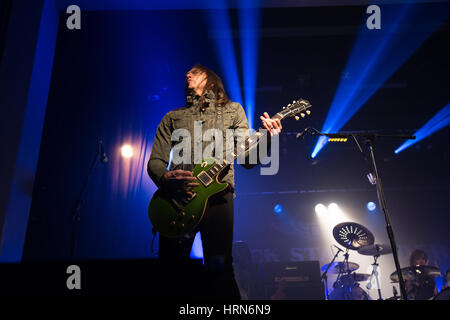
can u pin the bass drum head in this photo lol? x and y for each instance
(348, 293)
(443, 295)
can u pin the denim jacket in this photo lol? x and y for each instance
(230, 116)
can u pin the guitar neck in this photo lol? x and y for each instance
(253, 140)
(294, 109)
(243, 147)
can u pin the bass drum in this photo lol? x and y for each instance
(443, 295)
(348, 293)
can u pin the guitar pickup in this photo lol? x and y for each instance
(204, 178)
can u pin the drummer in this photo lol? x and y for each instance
(446, 284)
(422, 287)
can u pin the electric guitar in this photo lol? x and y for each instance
(175, 217)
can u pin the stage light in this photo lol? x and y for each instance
(126, 151)
(439, 121)
(321, 210)
(333, 208)
(278, 209)
(371, 206)
(375, 56)
(337, 139)
(335, 214)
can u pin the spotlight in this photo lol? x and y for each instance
(321, 209)
(371, 206)
(278, 208)
(333, 208)
(127, 151)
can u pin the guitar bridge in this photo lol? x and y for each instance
(192, 197)
(204, 178)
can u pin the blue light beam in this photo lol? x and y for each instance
(249, 21)
(439, 121)
(375, 56)
(220, 29)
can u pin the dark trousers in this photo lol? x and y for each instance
(216, 231)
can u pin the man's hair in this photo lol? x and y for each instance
(417, 254)
(213, 83)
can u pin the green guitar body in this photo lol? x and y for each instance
(174, 219)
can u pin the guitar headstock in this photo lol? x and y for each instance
(296, 109)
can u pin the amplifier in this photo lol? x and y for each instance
(292, 280)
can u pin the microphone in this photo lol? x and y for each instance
(103, 157)
(302, 134)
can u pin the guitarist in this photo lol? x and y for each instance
(208, 102)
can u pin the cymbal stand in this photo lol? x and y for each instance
(347, 288)
(375, 273)
(346, 261)
(324, 275)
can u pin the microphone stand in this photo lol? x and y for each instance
(79, 201)
(369, 138)
(324, 275)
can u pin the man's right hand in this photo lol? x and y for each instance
(179, 182)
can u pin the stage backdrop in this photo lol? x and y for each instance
(116, 77)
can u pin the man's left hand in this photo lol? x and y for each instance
(272, 125)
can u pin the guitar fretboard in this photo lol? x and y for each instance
(241, 148)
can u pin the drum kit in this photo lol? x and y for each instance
(353, 236)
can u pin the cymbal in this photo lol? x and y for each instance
(412, 273)
(356, 277)
(340, 267)
(375, 249)
(352, 235)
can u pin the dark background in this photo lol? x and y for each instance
(117, 76)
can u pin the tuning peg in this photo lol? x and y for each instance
(297, 117)
(284, 108)
(308, 112)
(302, 115)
